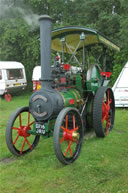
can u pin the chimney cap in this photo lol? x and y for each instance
(44, 17)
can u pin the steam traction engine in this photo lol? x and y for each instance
(72, 99)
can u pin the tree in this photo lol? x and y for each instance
(19, 27)
(18, 44)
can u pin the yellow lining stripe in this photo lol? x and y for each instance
(63, 98)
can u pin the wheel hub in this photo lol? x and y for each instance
(75, 135)
(72, 135)
(23, 131)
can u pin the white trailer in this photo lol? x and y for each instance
(36, 75)
(12, 77)
(120, 88)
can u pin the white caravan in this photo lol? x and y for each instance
(120, 88)
(12, 77)
(36, 75)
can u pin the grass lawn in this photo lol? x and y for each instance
(102, 166)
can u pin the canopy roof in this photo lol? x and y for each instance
(72, 37)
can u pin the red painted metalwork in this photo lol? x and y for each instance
(68, 135)
(57, 57)
(66, 67)
(22, 132)
(8, 97)
(36, 85)
(63, 80)
(106, 112)
(72, 101)
(107, 74)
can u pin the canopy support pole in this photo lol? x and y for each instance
(73, 53)
(104, 60)
(88, 51)
(82, 37)
(63, 44)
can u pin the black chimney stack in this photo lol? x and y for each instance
(45, 50)
(45, 103)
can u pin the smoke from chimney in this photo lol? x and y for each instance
(9, 7)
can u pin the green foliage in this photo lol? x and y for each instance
(19, 44)
(119, 61)
(19, 27)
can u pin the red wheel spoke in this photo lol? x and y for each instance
(66, 130)
(66, 122)
(28, 118)
(28, 144)
(68, 148)
(63, 128)
(103, 118)
(31, 123)
(15, 128)
(105, 106)
(62, 139)
(108, 125)
(70, 151)
(76, 141)
(22, 146)
(16, 139)
(20, 119)
(106, 130)
(110, 101)
(73, 121)
(76, 128)
(74, 124)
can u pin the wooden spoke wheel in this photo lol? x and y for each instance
(18, 139)
(68, 135)
(103, 111)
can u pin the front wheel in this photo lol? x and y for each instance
(18, 139)
(68, 135)
(103, 111)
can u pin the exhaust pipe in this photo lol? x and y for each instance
(45, 50)
(47, 102)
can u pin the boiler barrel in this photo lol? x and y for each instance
(71, 98)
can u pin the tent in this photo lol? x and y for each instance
(120, 88)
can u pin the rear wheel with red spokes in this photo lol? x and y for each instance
(18, 138)
(103, 111)
(68, 135)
